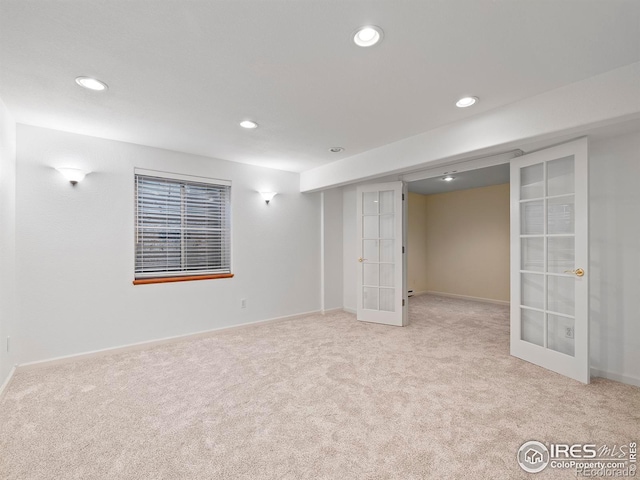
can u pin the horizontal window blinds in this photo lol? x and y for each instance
(182, 227)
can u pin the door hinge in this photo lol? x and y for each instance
(402, 249)
(403, 302)
(403, 196)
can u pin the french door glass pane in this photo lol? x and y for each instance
(370, 250)
(560, 215)
(370, 274)
(387, 302)
(532, 327)
(386, 275)
(386, 202)
(386, 226)
(532, 217)
(370, 226)
(560, 254)
(370, 203)
(560, 176)
(370, 298)
(532, 290)
(532, 254)
(560, 334)
(561, 294)
(532, 182)
(386, 251)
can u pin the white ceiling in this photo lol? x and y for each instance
(481, 177)
(183, 74)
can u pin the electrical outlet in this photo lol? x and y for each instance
(568, 332)
(243, 303)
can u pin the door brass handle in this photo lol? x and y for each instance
(578, 272)
(361, 259)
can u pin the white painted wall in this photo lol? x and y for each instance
(333, 249)
(7, 237)
(75, 249)
(614, 264)
(350, 244)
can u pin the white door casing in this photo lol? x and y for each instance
(549, 259)
(382, 293)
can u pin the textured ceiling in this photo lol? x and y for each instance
(183, 74)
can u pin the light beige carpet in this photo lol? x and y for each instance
(325, 397)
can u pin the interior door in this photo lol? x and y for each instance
(549, 259)
(382, 293)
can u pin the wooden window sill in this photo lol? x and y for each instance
(146, 281)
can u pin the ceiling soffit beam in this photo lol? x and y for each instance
(604, 99)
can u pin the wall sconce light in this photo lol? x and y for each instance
(74, 175)
(268, 196)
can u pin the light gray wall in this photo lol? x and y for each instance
(332, 244)
(350, 244)
(7, 238)
(76, 249)
(614, 265)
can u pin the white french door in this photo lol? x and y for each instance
(549, 259)
(382, 294)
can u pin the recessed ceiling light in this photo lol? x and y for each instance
(465, 102)
(448, 178)
(248, 124)
(91, 83)
(336, 149)
(368, 36)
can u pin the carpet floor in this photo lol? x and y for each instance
(323, 397)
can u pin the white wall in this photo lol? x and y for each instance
(614, 265)
(7, 237)
(332, 245)
(350, 244)
(75, 249)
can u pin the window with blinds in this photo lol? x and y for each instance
(183, 226)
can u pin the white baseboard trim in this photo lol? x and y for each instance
(5, 385)
(629, 380)
(332, 310)
(350, 310)
(152, 343)
(465, 297)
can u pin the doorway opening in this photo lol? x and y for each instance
(465, 242)
(458, 235)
